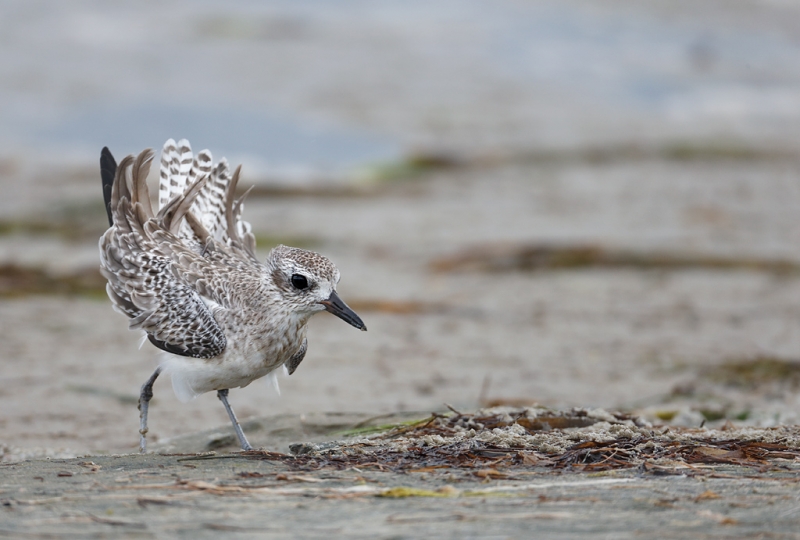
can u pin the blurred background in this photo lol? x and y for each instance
(556, 202)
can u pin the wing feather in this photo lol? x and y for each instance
(108, 169)
(214, 206)
(170, 273)
(170, 185)
(147, 266)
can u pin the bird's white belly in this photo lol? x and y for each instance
(236, 367)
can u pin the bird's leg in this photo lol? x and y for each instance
(144, 403)
(223, 397)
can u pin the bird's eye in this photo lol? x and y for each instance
(299, 281)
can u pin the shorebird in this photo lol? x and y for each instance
(189, 278)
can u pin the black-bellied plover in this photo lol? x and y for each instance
(189, 278)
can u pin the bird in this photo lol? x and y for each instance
(188, 277)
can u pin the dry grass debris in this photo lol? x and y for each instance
(492, 442)
(531, 257)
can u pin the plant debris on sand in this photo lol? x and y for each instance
(538, 257)
(579, 440)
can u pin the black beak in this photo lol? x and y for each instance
(336, 305)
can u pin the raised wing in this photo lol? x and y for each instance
(153, 278)
(215, 207)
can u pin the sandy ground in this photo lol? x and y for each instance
(164, 497)
(697, 154)
(267, 495)
(397, 138)
(577, 337)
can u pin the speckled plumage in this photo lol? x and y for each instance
(189, 278)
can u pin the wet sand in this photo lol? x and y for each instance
(394, 139)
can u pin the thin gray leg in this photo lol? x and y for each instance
(223, 397)
(144, 403)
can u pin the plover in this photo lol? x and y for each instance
(189, 278)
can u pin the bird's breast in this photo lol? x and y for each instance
(269, 346)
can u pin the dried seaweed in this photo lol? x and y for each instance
(622, 454)
(436, 445)
(750, 373)
(17, 281)
(533, 257)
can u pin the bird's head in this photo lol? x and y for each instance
(307, 282)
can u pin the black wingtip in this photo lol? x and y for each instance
(108, 169)
(164, 346)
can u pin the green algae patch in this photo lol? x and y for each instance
(268, 241)
(549, 257)
(18, 281)
(71, 223)
(666, 416)
(755, 372)
(382, 428)
(486, 493)
(401, 492)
